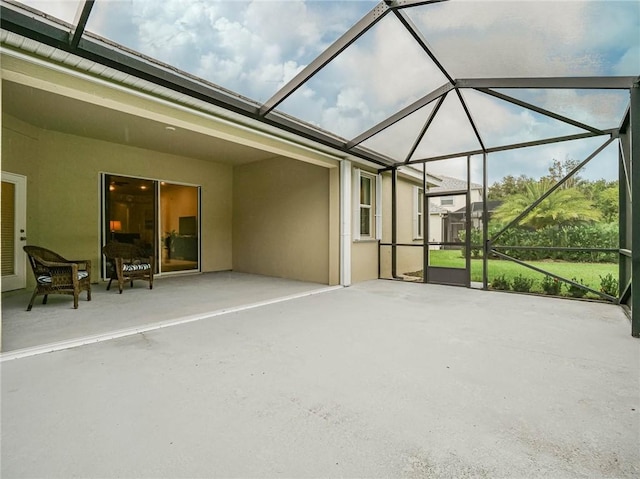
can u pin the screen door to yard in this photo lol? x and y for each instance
(448, 229)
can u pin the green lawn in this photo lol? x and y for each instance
(586, 273)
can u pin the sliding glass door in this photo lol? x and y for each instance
(179, 227)
(161, 217)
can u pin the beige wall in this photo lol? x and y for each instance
(282, 219)
(63, 195)
(364, 261)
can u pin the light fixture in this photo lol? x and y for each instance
(143, 187)
(170, 128)
(115, 225)
(112, 187)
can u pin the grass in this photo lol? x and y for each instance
(587, 274)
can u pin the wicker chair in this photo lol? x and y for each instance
(57, 275)
(127, 262)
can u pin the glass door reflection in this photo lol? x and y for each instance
(179, 226)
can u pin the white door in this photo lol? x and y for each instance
(13, 231)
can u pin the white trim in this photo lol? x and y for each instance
(18, 280)
(345, 222)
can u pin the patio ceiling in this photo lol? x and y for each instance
(61, 113)
(395, 82)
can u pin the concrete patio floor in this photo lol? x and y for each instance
(381, 379)
(172, 297)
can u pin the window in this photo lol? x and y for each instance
(418, 221)
(446, 201)
(366, 205)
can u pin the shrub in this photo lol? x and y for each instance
(476, 242)
(500, 282)
(609, 285)
(522, 284)
(551, 285)
(597, 235)
(575, 291)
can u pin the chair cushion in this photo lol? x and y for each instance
(46, 279)
(136, 267)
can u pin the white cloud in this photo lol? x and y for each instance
(525, 38)
(629, 62)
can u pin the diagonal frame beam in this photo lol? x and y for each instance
(537, 109)
(553, 275)
(470, 118)
(80, 23)
(337, 47)
(419, 38)
(551, 190)
(405, 112)
(426, 126)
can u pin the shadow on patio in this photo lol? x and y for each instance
(173, 298)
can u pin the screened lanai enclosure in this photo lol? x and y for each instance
(532, 107)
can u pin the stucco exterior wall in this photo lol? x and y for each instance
(282, 220)
(63, 191)
(364, 260)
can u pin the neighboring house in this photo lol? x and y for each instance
(445, 220)
(476, 212)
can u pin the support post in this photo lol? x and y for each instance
(623, 211)
(634, 163)
(394, 223)
(467, 224)
(485, 225)
(425, 225)
(345, 222)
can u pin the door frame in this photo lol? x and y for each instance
(442, 274)
(18, 280)
(103, 233)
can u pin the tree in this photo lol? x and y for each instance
(559, 169)
(607, 202)
(507, 186)
(565, 206)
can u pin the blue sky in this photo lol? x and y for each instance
(255, 47)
